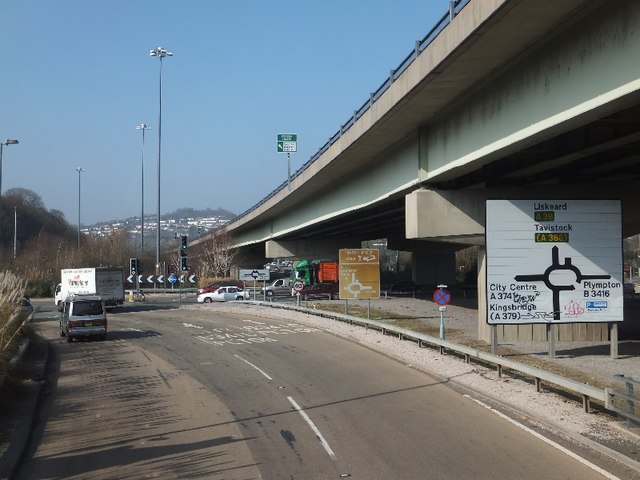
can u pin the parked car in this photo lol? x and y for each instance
(223, 294)
(629, 289)
(214, 286)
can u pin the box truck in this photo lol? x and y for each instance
(108, 282)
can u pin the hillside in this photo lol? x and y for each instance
(184, 221)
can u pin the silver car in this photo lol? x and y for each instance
(223, 294)
(83, 316)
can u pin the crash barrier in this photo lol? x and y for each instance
(615, 399)
(582, 390)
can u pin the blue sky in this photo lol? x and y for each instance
(76, 79)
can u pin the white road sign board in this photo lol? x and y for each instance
(256, 274)
(554, 261)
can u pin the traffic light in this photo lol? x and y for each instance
(183, 246)
(133, 266)
(183, 264)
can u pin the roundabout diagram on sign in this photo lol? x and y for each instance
(556, 289)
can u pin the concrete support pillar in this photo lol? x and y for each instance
(484, 330)
(434, 266)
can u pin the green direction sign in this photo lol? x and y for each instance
(287, 142)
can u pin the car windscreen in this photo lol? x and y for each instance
(87, 307)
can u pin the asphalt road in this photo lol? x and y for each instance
(195, 394)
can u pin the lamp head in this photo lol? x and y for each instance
(10, 141)
(160, 53)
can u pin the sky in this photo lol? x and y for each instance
(76, 78)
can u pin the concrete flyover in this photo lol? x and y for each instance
(504, 99)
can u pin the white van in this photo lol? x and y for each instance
(83, 316)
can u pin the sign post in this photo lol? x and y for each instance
(359, 275)
(442, 297)
(255, 275)
(287, 142)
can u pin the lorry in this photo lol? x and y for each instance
(281, 286)
(108, 282)
(319, 277)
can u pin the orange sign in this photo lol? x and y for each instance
(359, 273)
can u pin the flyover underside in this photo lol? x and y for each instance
(560, 120)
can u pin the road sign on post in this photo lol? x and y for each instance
(287, 142)
(359, 273)
(569, 261)
(441, 296)
(255, 274)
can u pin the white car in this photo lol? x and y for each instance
(222, 294)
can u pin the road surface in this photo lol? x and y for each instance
(199, 394)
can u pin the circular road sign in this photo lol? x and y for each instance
(442, 297)
(173, 279)
(298, 285)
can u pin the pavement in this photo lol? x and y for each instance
(20, 392)
(21, 389)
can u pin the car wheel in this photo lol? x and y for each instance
(207, 300)
(269, 293)
(62, 334)
(69, 338)
(239, 297)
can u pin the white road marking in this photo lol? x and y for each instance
(585, 462)
(190, 325)
(252, 365)
(313, 426)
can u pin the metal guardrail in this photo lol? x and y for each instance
(455, 6)
(585, 391)
(627, 398)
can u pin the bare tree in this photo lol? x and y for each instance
(217, 257)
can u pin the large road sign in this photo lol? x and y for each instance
(554, 261)
(287, 142)
(359, 273)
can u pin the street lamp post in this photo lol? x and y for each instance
(159, 53)
(79, 170)
(143, 127)
(8, 141)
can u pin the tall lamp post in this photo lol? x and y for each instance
(143, 127)
(79, 170)
(8, 141)
(159, 53)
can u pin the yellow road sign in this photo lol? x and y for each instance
(359, 273)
